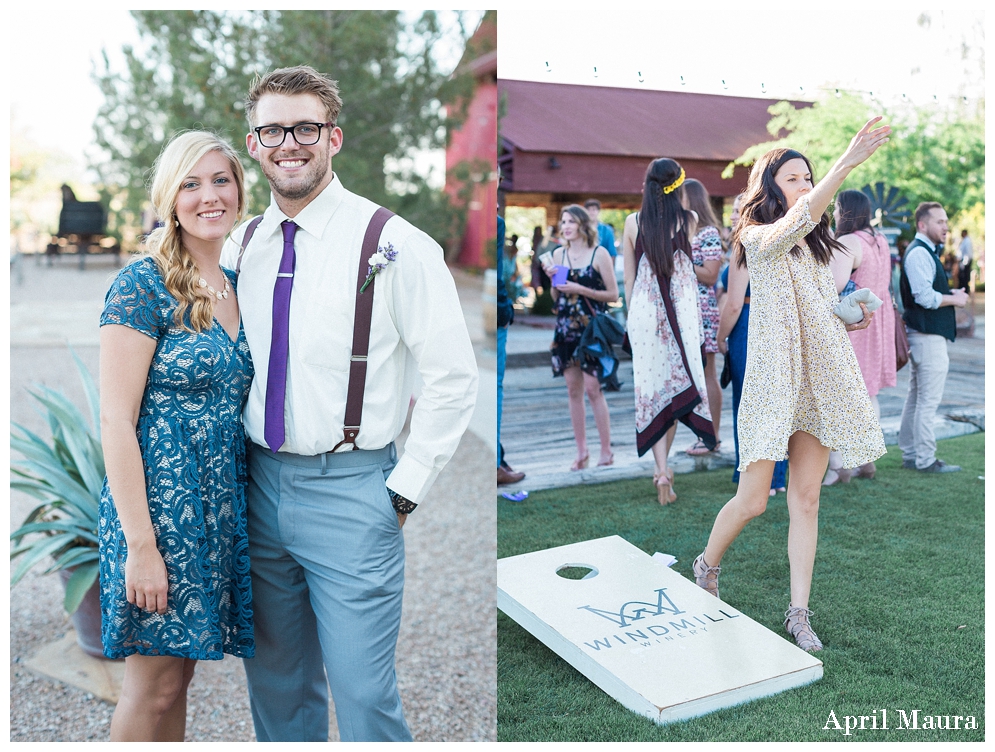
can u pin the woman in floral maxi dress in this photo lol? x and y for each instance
(663, 325)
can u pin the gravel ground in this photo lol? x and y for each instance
(446, 657)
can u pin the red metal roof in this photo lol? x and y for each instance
(568, 118)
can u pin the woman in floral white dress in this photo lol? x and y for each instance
(803, 393)
(663, 324)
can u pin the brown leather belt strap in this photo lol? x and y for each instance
(361, 331)
(746, 300)
(245, 241)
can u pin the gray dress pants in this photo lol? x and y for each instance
(327, 563)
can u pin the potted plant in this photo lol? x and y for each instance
(66, 475)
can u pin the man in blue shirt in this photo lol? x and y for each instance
(606, 235)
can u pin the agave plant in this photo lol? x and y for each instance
(66, 474)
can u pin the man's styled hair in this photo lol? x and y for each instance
(924, 209)
(592, 202)
(301, 79)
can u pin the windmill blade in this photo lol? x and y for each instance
(879, 193)
(891, 196)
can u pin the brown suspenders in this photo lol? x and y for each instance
(361, 323)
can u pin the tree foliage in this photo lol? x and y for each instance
(193, 70)
(932, 156)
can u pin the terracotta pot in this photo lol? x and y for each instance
(86, 619)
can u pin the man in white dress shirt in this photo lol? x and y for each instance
(326, 548)
(930, 322)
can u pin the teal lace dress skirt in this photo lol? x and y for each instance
(193, 449)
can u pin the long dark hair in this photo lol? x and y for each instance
(663, 222)
(855, 213)
(763, 204)
(700, 203)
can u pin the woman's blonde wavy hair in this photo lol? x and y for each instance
(174, 164)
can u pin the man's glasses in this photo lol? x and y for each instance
(305, 134)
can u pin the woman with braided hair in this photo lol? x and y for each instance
(803, 393)
(664, 325)
(175, 371)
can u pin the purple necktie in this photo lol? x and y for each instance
(276, 379)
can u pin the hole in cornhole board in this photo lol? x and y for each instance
(577, 571)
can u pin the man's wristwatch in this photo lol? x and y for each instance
(400, 504)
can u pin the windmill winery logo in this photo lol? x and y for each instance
(655, 621)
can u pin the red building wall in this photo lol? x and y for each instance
(476, 141)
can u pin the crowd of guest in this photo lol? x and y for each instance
(803, 315)
(720, 332)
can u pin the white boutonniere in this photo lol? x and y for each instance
(378, 262)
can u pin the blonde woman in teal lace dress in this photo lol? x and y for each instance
(174, 374)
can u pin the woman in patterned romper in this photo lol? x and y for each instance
(803, 394)
(706, 253)
(174, 374)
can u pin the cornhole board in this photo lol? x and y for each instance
(653, 640)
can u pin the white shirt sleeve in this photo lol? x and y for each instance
(921, 271)
(426, 311)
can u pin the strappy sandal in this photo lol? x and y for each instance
(611, 461)
(664, 487)
(842, 476)
(581, 463)
(866, 471)
(698, 448)
(796, 621)
(706, 577)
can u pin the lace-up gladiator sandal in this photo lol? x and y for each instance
(706, 577)
(797, 624)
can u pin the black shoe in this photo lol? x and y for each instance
(941, 467)
(908, 464)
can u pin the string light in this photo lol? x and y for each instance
(836, 91)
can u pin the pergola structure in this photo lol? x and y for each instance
(563, 143)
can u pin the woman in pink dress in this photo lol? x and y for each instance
(869, 259)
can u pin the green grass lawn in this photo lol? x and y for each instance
(898, 597)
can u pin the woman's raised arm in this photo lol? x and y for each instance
(865, 143)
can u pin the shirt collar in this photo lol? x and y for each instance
(314, 217)
(929, 243)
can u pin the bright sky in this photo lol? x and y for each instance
(58, 101)
(52, 92)
(866, 47)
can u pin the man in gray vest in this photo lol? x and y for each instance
(327, 494)
(930, 321)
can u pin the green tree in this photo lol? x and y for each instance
(193, 70)
(932, 156)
